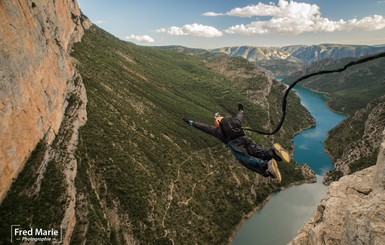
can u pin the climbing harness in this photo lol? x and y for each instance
(284, 102)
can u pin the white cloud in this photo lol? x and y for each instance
(295, 18)
(141, 39)
(212, 14)
(254, 10)
(98, 22)
(370, 23)
(192, 30)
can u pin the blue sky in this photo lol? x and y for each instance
(222, 23)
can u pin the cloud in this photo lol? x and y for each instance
(141, 39)
(283, 9)
(212, 14)
(98, 22)
(192, 30)
(370, 23)
(295, 18)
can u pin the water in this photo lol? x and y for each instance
(286, 212)
(308, 144)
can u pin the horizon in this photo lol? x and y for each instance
(216, 24)
(267, 47)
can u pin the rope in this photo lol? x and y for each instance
(284, 100)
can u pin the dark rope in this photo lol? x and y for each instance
(284, 101)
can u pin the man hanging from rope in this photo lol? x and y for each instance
(246, 151)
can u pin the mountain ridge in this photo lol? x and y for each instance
(301, 53)
(284, 60)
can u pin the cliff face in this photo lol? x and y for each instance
(361, 138)
(353, 211)
(36, 76)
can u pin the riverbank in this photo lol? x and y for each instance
(246, 217)
(309, 178)
(264, 219)
(327, 97)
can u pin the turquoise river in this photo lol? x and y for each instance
(286, 212)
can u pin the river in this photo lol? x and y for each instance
(286, 212)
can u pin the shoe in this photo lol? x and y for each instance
(280, 153)
(273, 170)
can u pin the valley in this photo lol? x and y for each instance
(92, 139)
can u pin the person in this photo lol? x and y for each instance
(254, 157)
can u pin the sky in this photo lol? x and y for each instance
(212, 24)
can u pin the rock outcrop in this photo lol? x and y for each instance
(37, 76)
(353, 211)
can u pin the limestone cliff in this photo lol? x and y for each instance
(353, 211)
(37, 77)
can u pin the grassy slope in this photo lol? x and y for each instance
(143, 174)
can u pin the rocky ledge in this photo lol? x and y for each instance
(353, 210)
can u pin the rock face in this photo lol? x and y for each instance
(37, 76)
(368, 141)
(353, 211)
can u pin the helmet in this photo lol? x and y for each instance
(217, 119)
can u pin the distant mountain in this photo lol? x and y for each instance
(309, 54)
(185, 50)
(278, 59)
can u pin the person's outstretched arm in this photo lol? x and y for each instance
(208, 129)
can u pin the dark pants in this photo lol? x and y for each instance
(255, 164)
(259, 152)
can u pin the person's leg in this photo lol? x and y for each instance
(258, 151)
(277, 152)
(255, 164)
